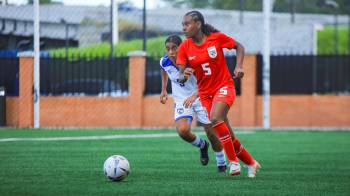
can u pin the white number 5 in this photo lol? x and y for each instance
(206, 69)
(223, 90)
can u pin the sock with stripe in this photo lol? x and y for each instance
(220, 158)
(224, 136)
(198, 142)
(242, 153)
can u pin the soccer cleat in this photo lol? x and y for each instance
(204, 154)
(252, 169)
(235, 168)
(221, 168)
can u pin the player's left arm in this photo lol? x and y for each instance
(239, 71)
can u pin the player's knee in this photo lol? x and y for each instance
(215, 120)
(211, 134)
(209, 130)
(183, 131)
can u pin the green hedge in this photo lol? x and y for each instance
(155, 46)
(325, 40)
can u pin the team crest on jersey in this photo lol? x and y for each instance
(212, 52)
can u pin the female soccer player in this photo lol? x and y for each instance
(202, 51)
(186, 103)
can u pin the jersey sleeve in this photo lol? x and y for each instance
(226, 41)
(173, 76)
(181, 55)
(161, 63)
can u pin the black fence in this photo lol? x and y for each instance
(84, 76)
(153, 78)
(231, 63)
(154, 82)
(9, 75)
(307, 74)
(292, 74)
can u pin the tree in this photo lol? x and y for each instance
(190, 3)
(43, 2)
(301, 6)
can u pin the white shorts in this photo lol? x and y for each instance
(196, 108)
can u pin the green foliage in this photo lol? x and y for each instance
(325, 41)
(155, 47)
(189, 3)
(41, 2)
(252, 5)
(301, 6)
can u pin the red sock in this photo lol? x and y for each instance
(224, 135)
(242, 153)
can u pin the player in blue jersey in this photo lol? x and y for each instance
(187, 103)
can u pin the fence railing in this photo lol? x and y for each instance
(84, 76)
(290, 74)
(9, 78)
(153, 78)
(307, 74)
(231, 64)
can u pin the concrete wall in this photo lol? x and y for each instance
(137, 110)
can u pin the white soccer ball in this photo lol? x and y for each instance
(116, 168)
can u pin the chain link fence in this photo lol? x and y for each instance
(78, 28)
(84, 46)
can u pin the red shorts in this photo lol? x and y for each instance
(226, 94)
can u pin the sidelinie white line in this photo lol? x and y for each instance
(105, 137)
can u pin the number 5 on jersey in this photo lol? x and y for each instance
(223, 90)
(206, 69)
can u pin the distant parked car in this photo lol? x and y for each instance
(126, 7)
(87, 87)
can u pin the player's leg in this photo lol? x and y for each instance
(183, 128)
(183, 121)
(218, 114)
(202, 116)
(243, 154)
(222, 102)
(217, 147)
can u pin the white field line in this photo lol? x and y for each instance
(106, 137)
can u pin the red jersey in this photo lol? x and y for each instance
(208, 61)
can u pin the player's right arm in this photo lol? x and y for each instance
(181, 62)
(189, 100)
(185, 73)
(164, 94)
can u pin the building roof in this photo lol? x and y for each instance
(55, 13)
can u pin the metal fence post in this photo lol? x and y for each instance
(144, 28)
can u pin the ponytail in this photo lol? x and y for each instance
(206, 28)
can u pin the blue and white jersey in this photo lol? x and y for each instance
(179, 91)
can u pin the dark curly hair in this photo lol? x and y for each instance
(174, 39)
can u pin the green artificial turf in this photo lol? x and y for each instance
(294, 163)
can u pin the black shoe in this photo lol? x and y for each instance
(204, 154)
(221, 168)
